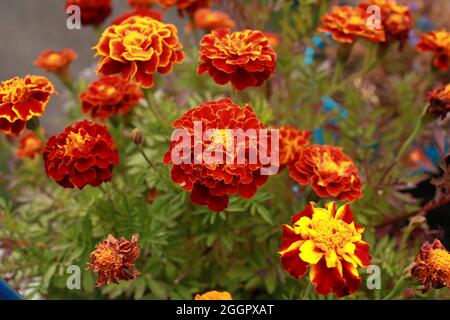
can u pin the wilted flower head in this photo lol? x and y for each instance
(137, 48)
(330, 171)
(93, 12)
(113, 260)
(140, 12)
(346, 24)
(21, 99)
(30, 146)
(55, 61)
(437, 42)
(328, 243)
(83, 154)
(439, 99)
(292, 141)
(432, 266)
(243, 57)
(208, 19)
(109, 96)
(214, 295)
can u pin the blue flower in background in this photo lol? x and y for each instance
(432, 153)
(318, 42)
(329, 105)
(425, 24)
(309, 55)
(318, 136)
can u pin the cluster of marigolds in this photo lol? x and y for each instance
(326, 241)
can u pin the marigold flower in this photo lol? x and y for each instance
(208, 19)
(346, 24)
(141, 12)
(109, 96)
(432, 266)
(30, 146)
(292, 141)
(189, 5)
(417, 159)
(214, 295)
(83, 154)
(142, 3)
(439, 43)
(55, 61)
(396, 19)
(93, 12)
(439, 99)
(137, 48)
(274, 39)
(330, 171)
(328, 243)
(243, 57)
(211, 182)
(113, 260)
(21, 99)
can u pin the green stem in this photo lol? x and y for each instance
(392, 294)
(67, 82)
(151, 104)
(234, 94)
(307, 291)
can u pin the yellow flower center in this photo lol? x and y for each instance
(108, 90)
(326, 163)
(439, 261)
(107, 258)
(330, 234)
(15, 91)
(53, 58)
(74, 141)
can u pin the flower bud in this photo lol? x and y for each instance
(136, 136)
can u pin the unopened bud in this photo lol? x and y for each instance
(417, 220)
(136, 136)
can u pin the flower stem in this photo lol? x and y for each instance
(307, 291)
(151, 104)
(147, 159)
(394, 291)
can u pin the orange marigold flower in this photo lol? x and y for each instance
(346, 24)
(208, 19)
(109, 96)
(243, 57)
(328, 242)
(211, 183)
(55, 61)
(330, 171)
(439, 43)
(93, 12)
(113, 260)
(141, 12)
(396, 19)
(439, 99)
(432, 266)
(137, 48)
(274, 39)
(142, 3)
(21, 99)
(83, 154)
(417, 158)
(292, 141)
(30, 146)
(189, 5)
(214, 295)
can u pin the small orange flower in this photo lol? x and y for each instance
(83, 154)
(292, 141)
(328, 243)
(21, 100)
(396, 19)
(189, 5)
(208, 19)
(109, 96)
(416, 159)
(54, 61)
(93, 12)
(330, 171)
(142, 3)
(113, 260)
(137, 48)
(274, 39)
(243, 57)
(346, 24)
(141, 12)
(432, 266)
(30, 146)
(214, 295)
(439, 43)
(439, 99)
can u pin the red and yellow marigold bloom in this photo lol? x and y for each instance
(137, 48)
(55, 61)
(113, 260)
(214, 295)
(243, 58)
(21, 99)
(330, 171)
(208, 19)
(142, 3)
(211, 183)
(191, 6)
(346, 24)
(439, 101)
(83, 154)
(292, 141)
(93, 12)
(437, 42)
(328, 242)
(109, 96)
(432, 266)
(396, 18)
(30, 146)
(140, 12)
